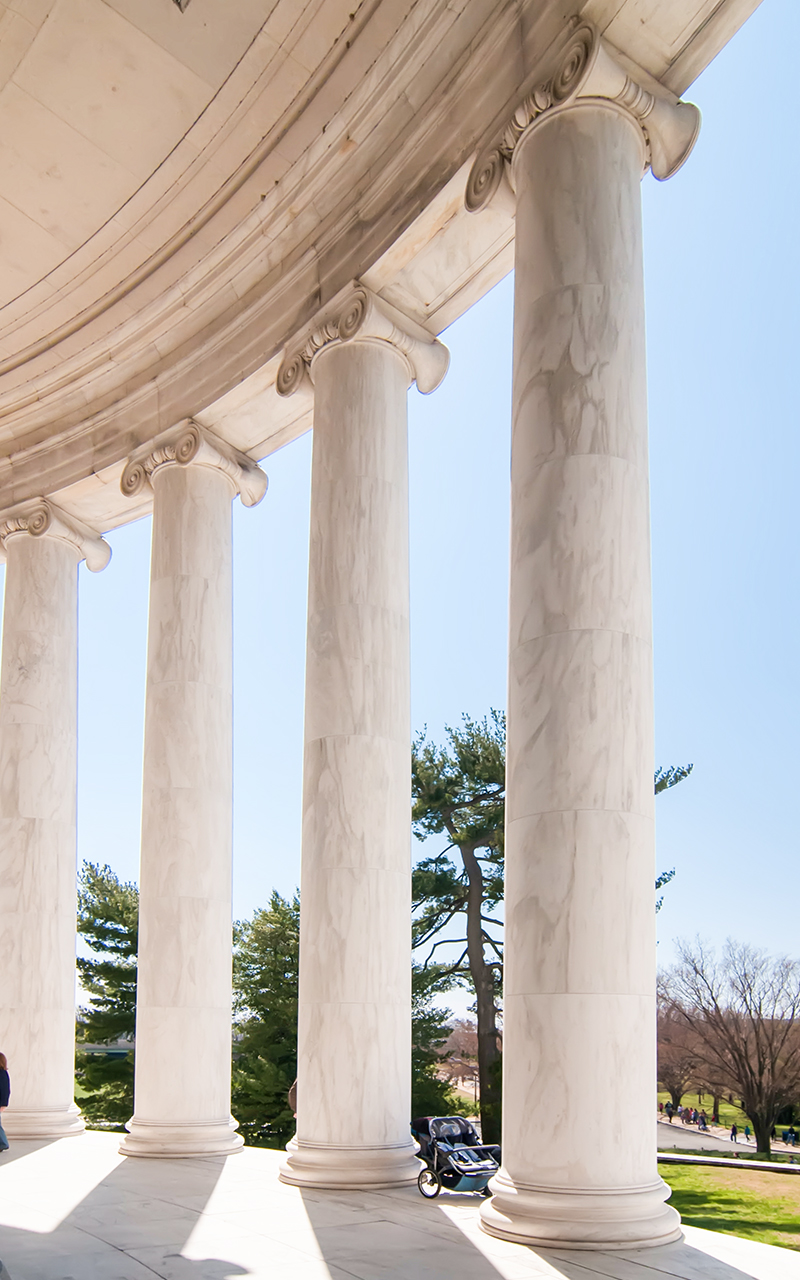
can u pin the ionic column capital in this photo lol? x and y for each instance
(357, 315)
(40, 518)
(190, 443)
(585, 69)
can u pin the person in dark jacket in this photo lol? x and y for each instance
(5, 1094)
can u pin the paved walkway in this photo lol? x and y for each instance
(687, 1137)
(77, 1210)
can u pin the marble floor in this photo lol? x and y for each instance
(77, 1210)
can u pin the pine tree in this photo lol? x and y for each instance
(459, 792)
(108, 919)
(664, 779)
(265, 981)
(430, 1094)
(265, 977)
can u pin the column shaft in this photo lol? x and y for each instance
(38, 753)
(355, 973)
(579, 1166)
(183, 1022)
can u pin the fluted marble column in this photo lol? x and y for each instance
(579, 1160)
(183, 1014)
(38, 761)
(354, 1050)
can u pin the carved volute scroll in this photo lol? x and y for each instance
(188, 444)
(584, 69)
(358, 315)
(40, 518)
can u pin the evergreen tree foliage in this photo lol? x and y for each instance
(265, 978)
(430, 1095)
(664, 779)
(459, 792)
(108, 920)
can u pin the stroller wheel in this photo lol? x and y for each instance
(429, 1183)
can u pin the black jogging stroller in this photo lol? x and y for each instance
(455, 1158)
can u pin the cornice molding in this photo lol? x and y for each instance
(187, 444)
(40, 518)
(357, 315)
(585, 69)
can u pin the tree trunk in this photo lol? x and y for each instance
(715, 1110)
(761, 1133)
(482, 976)
(676, 1095)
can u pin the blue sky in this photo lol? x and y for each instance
(722, 277)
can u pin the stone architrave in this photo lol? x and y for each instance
(38, 772)
(579, 1160)
(354, 1050)
(183, 1016)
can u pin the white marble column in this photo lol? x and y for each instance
(579, 1161)
(183, 1014)
(38, 761)
(354, 1050)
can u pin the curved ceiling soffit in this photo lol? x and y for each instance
(206, 146)
(297, 247)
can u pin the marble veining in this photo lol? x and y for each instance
(578, 1053)
(38, 762)
(355, 993)
(183, 1017)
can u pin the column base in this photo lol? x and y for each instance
(168, 1140)
(634, 1219)
(45, 1122)
(350, 1168)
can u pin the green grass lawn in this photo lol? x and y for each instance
(755, 1205)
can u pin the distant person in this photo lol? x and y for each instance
(661, 1108)
(747, 1133)
(734, 1133)
(702, 1122)
(5, 1094)
(793, 1136)
(669, 1111)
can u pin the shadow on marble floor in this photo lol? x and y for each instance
(406, 1237)
(82, 1212)
(679, 1260)
(396, 1235)
(18, 1150)
(132, 1225)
